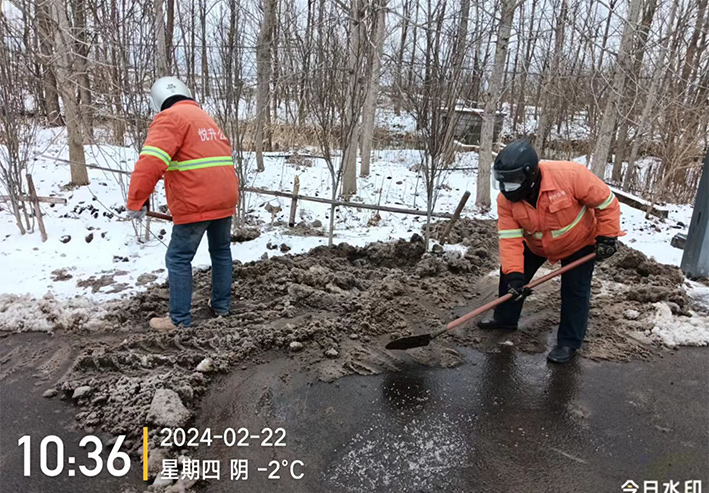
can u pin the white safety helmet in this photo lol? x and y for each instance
(166, 87)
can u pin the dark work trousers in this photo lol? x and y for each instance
(575, 296)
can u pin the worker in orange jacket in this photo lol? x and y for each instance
(187, 147)
(550, 210)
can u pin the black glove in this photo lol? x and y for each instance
(605, 247)
(515, 283)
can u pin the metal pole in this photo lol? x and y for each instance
(695, 261)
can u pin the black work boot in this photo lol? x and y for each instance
(561, 354)
(491, 323)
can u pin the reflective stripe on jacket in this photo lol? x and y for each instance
(186, 146)
(574, 206)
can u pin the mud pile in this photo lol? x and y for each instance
(469, 233)
(648, 281)
(332, 310)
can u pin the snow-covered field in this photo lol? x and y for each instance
(92, 252)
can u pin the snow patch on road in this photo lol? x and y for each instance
(675, 331)
(25, 313)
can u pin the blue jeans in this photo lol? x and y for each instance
(183, 246)
(575, 296)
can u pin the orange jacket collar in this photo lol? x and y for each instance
(548, 183)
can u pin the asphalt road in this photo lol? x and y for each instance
(23, 411)
(500, 422)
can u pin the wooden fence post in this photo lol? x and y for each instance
(294, 201)
(37, 210)
(455, 217)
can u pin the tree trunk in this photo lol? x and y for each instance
(205, 60)
(604, 43)
(82, 69)
(191, 51)
(263, 75)
(692, 47)
(551, 79)
(351, 118)
(631, 92)
(161, 55)
(411, 70)
(275, 74)
(169, 33)
(49, 81)
(119, 127)
(645, 122)
(623, 66)
(64, 66)
(520, 114)
(370, 101)
(303, 83)
(399, 68)
(456, 81)
(621, 143)
(491, 101)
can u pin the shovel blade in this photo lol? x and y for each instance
(410, 342)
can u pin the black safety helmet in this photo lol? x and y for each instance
(516, 168)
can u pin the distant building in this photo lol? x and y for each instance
(469, 123)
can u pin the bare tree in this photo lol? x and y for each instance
(370, 101)
(229, 93)
(399, 67)
(66, 78)
(263, 73)
(433, 97)
(81, 62)
(327, 98)
(45, 28)
(629, 102)
(645, 120)
(529, 43)
(205, 57)
(492, 98)
(17, 132)
(333, 112)
(623, 66)
(355, 93)
(162, 56)
(551, 79)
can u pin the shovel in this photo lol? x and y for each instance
(423, 339)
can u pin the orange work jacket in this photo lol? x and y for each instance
(186, 146)
(573, 208)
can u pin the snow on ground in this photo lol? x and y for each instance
(93, 253)
(652, 236)
(387, 119)
(679, 331)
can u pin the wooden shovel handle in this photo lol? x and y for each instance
(502, 299)
(157, 215)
